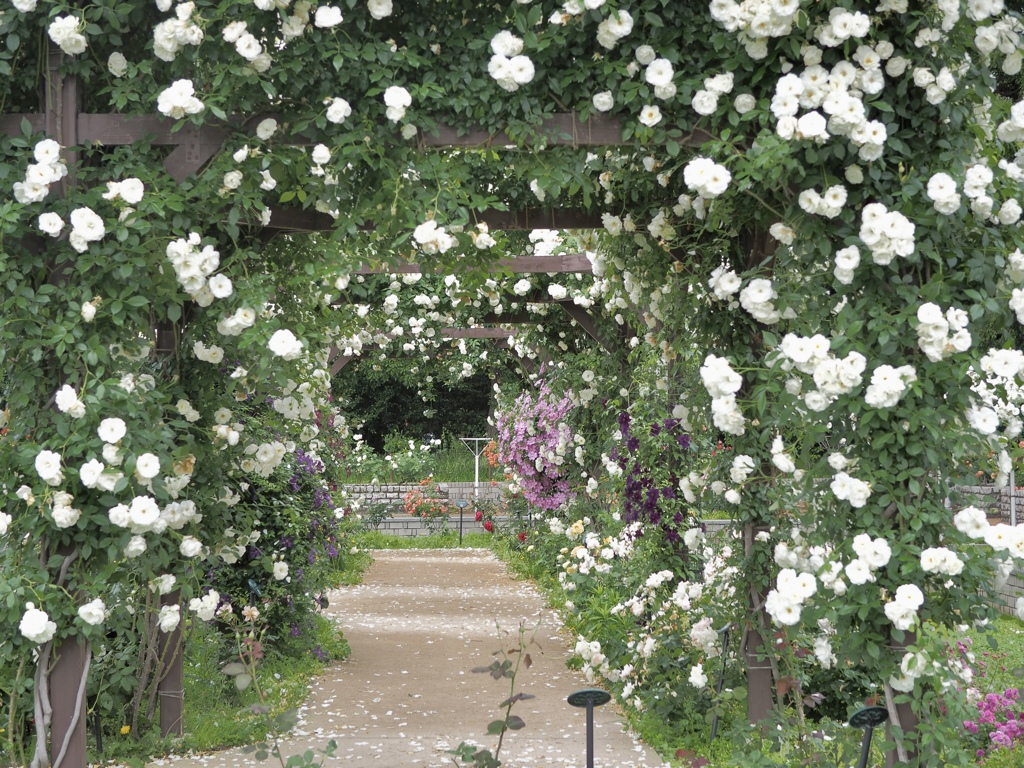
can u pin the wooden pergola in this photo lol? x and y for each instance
(193, 146)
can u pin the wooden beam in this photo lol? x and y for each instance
(474, 333)
(289, 219)
(563, 263)
(586, 322)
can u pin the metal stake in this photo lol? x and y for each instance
(724, 632)
(589, 698)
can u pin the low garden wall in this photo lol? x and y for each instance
(392, 496)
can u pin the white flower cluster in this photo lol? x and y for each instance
(756, 298)
(68, 402)
(705, 100)
(64, 515)
(508, 66)
(941, 560)
(722, 383)
(66, 32)
(1002, 36)
(756, 21)
(178, 100)
(39, 175)
(912, 665)
(208, 354)
(936, 86)
(828, 204)
(396, 99)
(327, 17)
(780, 458)
(850, 489)
(785, 603)
(833, 376)
(432, 238)
(231, 325)
(48, 467)
(1012, 129)
(888, 385)
(246, 45)
(706, 177)
(942, 191)
(902, 609)
(1001, 537)
(613, 28)
(285, 344)
(36, 626)
(934, 328)
(887, 234)
(263, 459)
(872, 554)
(724, 282)
(206, 606)
(130, 191)
(193, 267)
(171, 35)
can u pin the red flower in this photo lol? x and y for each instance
(522, 535)
(479, 516)
(488, 526)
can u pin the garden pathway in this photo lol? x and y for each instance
(418, 624)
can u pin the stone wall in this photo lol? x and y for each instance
(392, 497)
(413, 526)
(995, 501)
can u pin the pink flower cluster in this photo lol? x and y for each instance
(996, 711)
(533, 441)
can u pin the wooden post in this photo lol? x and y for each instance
(900, 714)
(760, 678)
(171, 682)
(67, 699)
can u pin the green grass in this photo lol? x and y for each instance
(216, 714)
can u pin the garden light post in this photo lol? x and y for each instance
(589, 698)
(461, 504)
(477, 450)
(867, 718)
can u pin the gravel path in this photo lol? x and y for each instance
(418, 624)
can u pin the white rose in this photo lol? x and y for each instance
(603, 101)
(135, 547)
(36, 625)
(266, 128)
(190, 546)
(280, 570)
(93, 613)
(327, 16)
(111, 430)
(147, 466)
(170, 617)
(51, 224)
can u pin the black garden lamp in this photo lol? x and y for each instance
(589, 698)
(868, 718)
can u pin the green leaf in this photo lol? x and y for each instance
(515, 723)
(233, 668)
(496, 727)
(243, 681)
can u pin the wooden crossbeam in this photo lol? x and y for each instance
(308, 220)
(474, 333)
(565, 262)
(564, 128)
